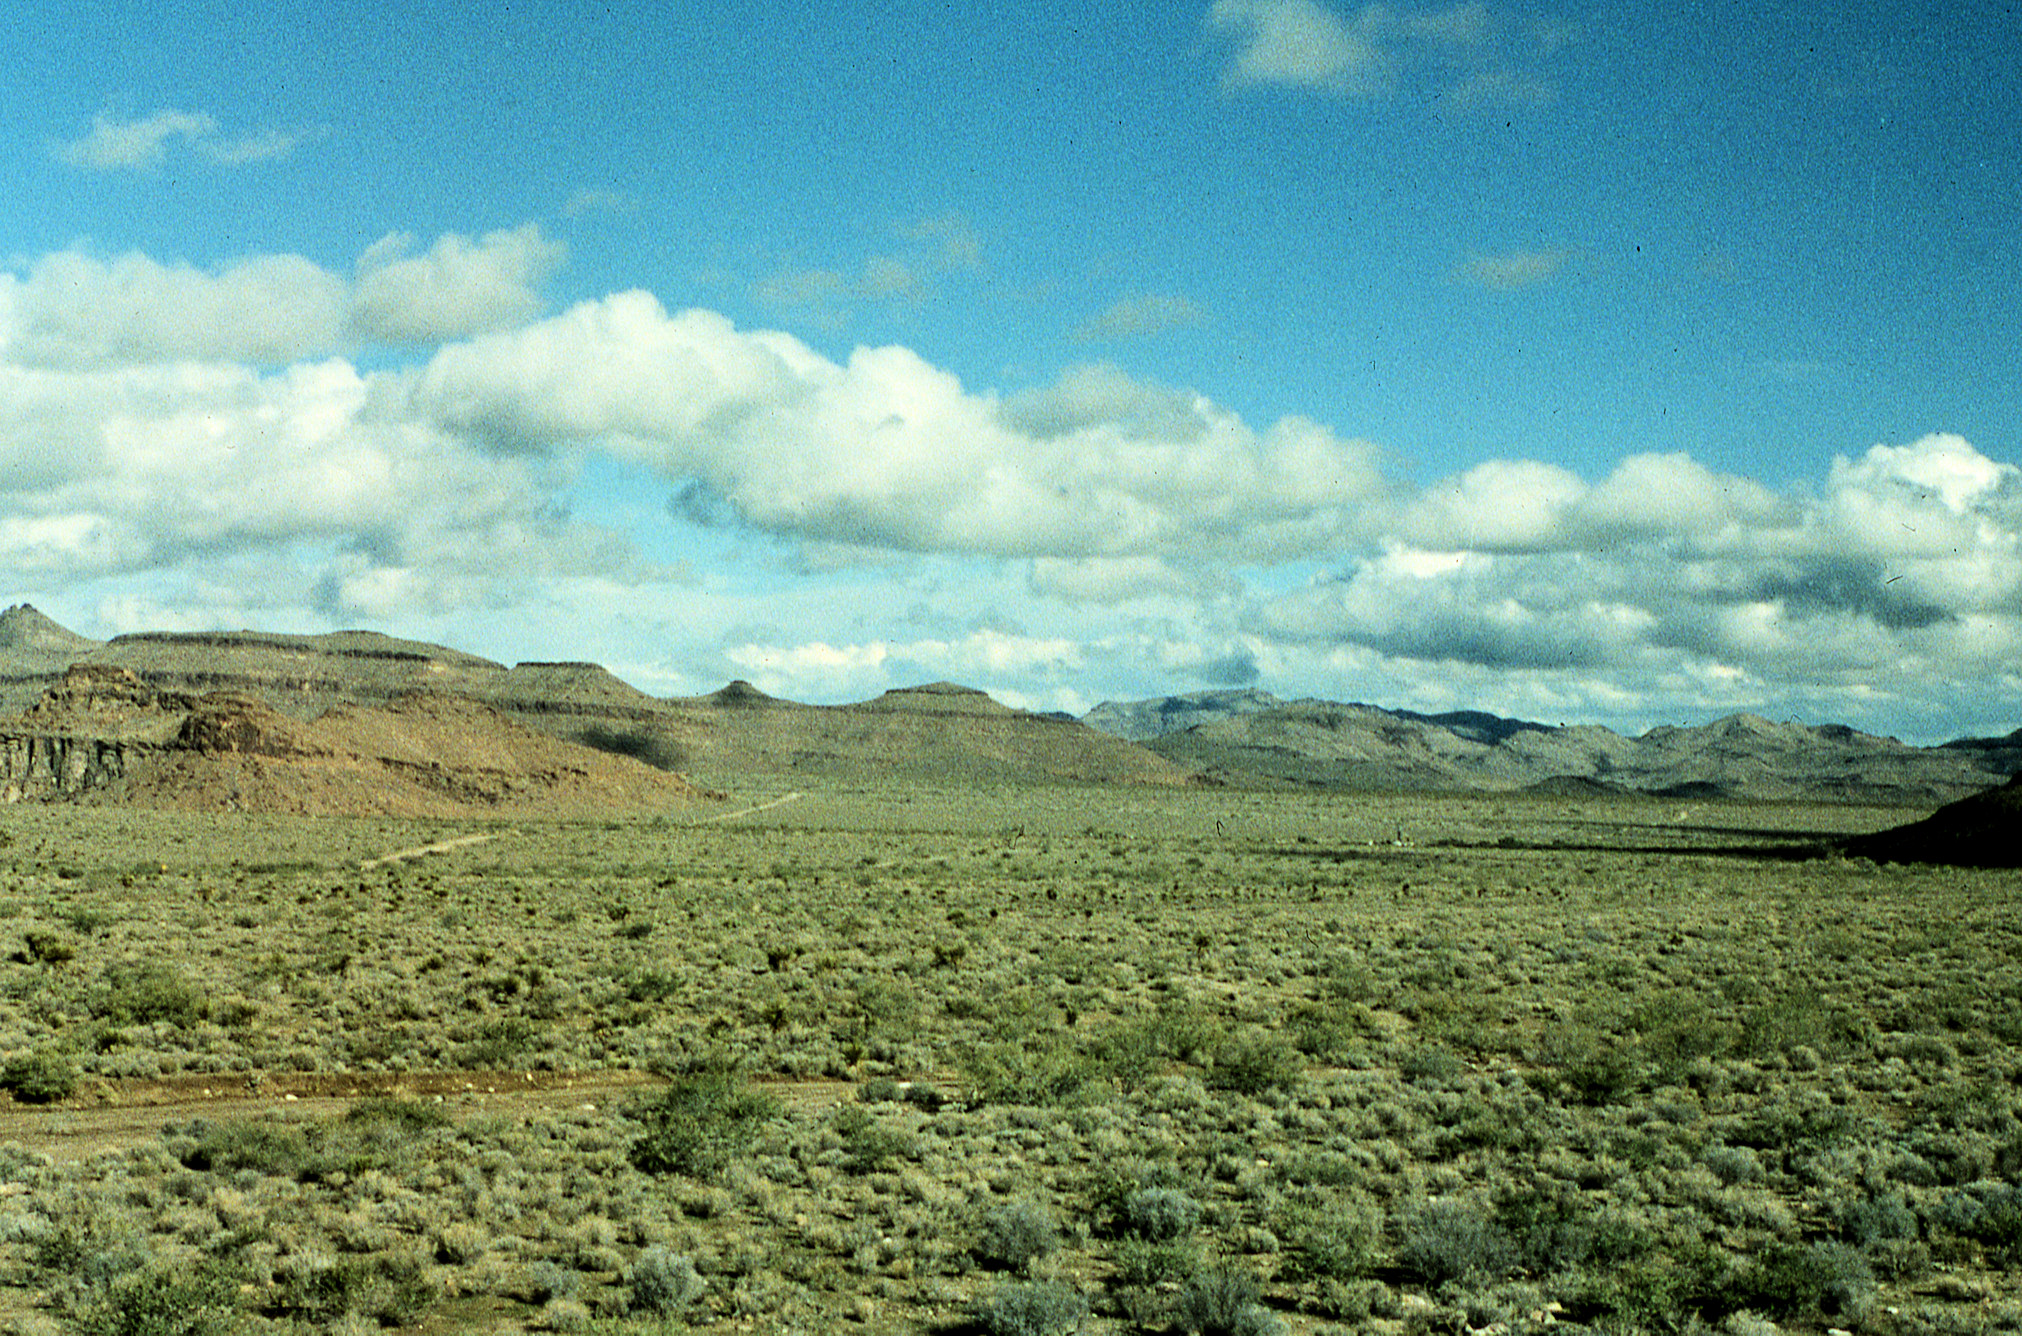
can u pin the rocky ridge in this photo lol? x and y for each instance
(103, 735)
(941, 732)
(1240, 738)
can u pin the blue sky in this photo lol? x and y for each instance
(1631, 366)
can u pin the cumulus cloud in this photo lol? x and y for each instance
(456, 288)
(112, 144)
(887, 450)
(1909, 557)
(827, 297)
(1302, 44)
(76, 310)
(71, 309)
(161, 423)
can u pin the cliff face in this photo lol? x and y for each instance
(57, 766)
(86, 733)
(103, 734)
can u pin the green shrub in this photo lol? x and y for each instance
(498, 1042)
(1225, 1301)
(1991, 1217)
(1159, 1215)
(1045, 1308)
(1555, 1229)
(663, 1282)
(1430, 1064)
(1454, 1240)
(1015, 1234)
(1788, 1279)
(1033, 1074)
(1800, 1018)
(868, 1145)
(274, 1150)
(142, 992)
(390, 1288)
(1878, 1217)
(41, 1077)
(1254, 1061)
(702, 1121)
(406, 1115)
(1144, 1263)
(162, 1299)
(1329, 1240)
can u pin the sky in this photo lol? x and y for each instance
(1628, 365)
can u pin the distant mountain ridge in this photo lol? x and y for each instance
(940, 731)
(948, 733)
(1252, 737)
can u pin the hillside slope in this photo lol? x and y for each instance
(102, 735)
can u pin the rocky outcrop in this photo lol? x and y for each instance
(103, 734)
(58, 766)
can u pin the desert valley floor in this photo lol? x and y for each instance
(1020, 1059)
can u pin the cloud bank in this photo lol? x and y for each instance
(187, 432)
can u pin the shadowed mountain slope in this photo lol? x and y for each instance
(1983, 830)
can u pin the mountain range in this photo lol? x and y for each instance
(367, 683)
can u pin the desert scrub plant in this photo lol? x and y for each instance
(703, 1120)
(1015, 1234)
(1042, 1308)
(391, 1287)
(164, 1299)
(1039, 1073)
(1225, 1301)
(1329, 1239)
(663, 1283)
(869, 1146)
(1455, 1240)
(1788, 1279)
(1158, 1214)
(1252, 1061)
(142, 992)
(39, 1077)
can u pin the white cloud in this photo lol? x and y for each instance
(1462, 52)
(1117, 580)
(75, 310)
(113, 144)
(887, 451)
(455, 289)
(1303, 44)
(171, 434)
(1906, 570)
(951, 241)
(1134, 316)
(828, 296)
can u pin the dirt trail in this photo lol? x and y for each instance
(421, 850)
(747, 811)
(113, 1115)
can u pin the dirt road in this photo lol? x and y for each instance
(113, 1115)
